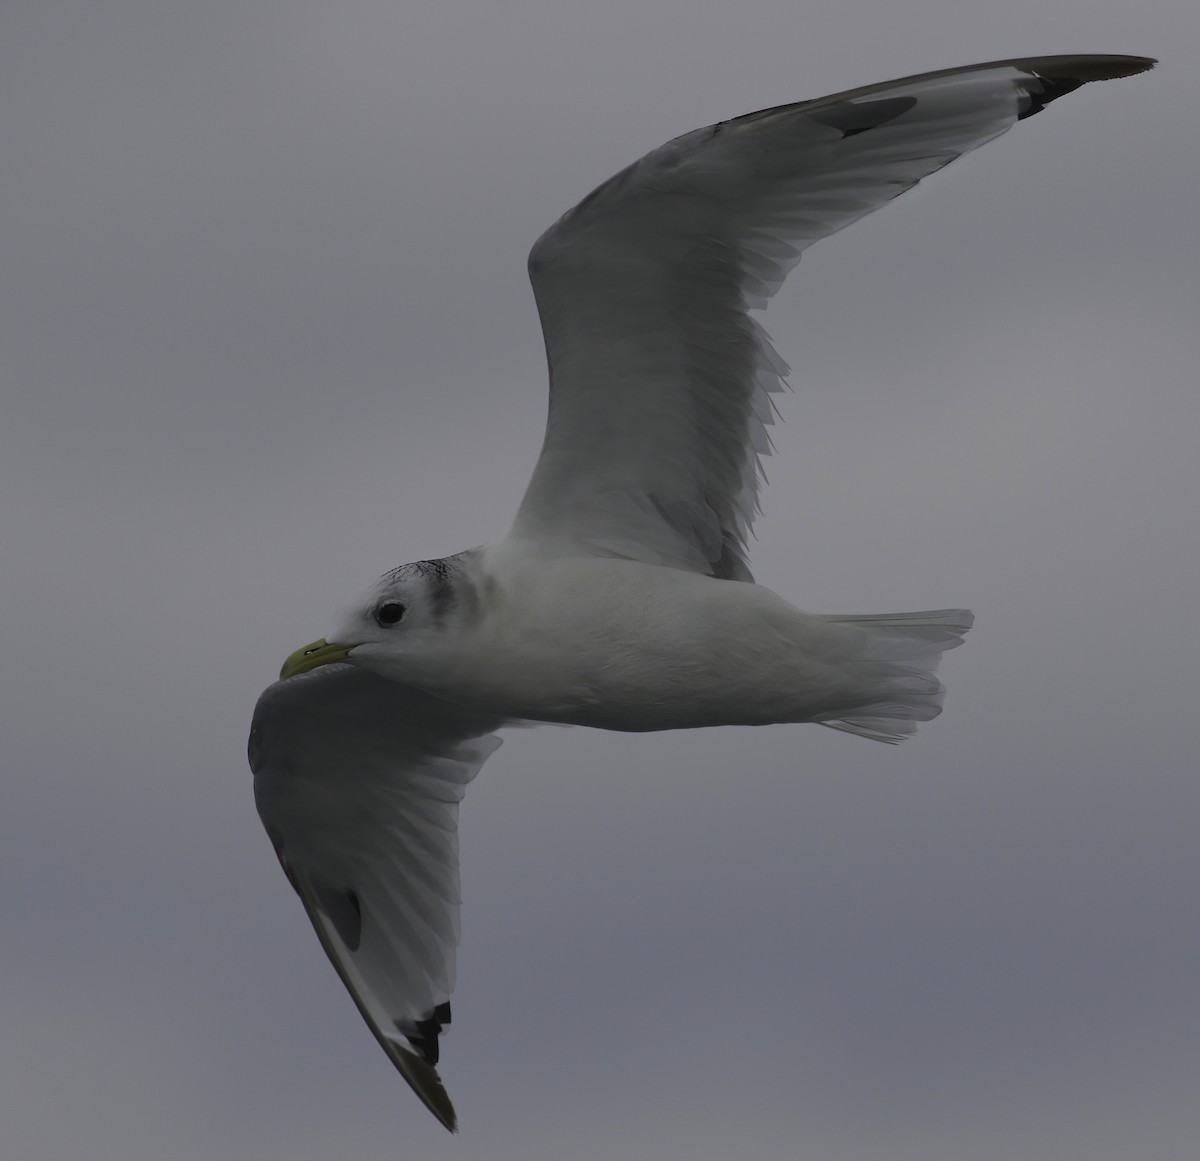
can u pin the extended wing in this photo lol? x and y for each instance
(358, 780)
(660, 382)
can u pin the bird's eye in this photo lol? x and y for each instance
(390, 613)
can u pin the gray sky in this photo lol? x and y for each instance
(266, 333)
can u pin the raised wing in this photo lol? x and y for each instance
(660, 382)
(358, 781)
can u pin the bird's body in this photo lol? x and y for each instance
(642, 647)
(622, 598)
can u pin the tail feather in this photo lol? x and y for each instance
(902, 651)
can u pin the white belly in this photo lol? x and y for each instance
(627, 646)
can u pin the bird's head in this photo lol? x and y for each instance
(403, 619)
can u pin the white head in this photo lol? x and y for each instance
(403, 620)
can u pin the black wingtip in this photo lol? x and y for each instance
(419, 1068)
(423, 1034)
(1083, 69)
(1052, 77)
(423, 1079)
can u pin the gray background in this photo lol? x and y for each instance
(266, 333)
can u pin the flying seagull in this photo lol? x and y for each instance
(621, 597)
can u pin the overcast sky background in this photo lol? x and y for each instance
(265, 332)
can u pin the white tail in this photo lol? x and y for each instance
(903, 651)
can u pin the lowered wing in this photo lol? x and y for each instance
(358, 780)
